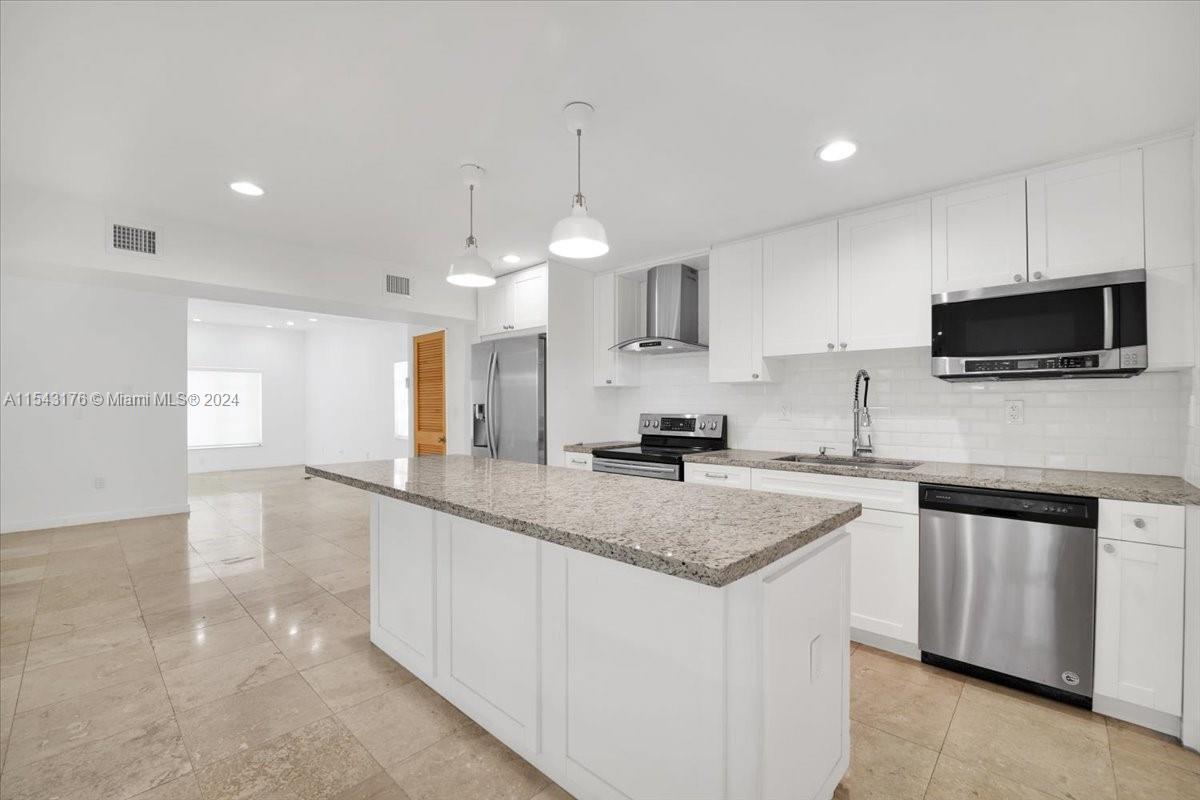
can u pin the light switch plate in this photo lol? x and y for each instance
(1014, 412)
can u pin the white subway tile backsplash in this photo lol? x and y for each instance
(1138, 424)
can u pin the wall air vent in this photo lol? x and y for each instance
(134, 240)
(396, 284)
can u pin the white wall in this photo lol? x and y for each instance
(280, 356)
(67, 337)
(1123, 425)
(40, 228)
(350, 411)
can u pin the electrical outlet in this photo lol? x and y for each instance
(98, 482)
(1014, 412)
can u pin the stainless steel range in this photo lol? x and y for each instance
(665, 440)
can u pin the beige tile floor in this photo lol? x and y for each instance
(225, 654)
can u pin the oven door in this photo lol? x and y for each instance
(1089, 315)
(638, 469)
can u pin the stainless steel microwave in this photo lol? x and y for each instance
(1089, 326)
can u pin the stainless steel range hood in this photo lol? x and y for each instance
(672, 313)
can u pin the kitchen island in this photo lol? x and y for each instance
(631, 638)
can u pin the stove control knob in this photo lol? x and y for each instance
(645, 423)
(703, 425)
(655, 423)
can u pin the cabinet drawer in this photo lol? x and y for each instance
(713, 475)
(1150, 523)
(873, 493)
(577, 460)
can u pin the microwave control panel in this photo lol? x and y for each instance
(1023, 364)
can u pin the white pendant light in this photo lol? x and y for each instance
(471, 269)
(578, 235)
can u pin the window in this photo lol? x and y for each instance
(400, 398)
(229, 408)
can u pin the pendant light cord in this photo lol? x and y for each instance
(471, 215)
(579, 166)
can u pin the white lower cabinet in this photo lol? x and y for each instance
(577, 461)
(1139, 624)
(884, 571)
(621, 683)
(717, 475)
(884, 566)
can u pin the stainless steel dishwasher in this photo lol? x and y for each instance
(1008, 587)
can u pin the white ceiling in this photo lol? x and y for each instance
(355, 116)
(217, 312)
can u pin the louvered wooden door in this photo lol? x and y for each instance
(429, 393)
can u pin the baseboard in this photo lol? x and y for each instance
(89, 519)
(1146, 717)
(881, 642)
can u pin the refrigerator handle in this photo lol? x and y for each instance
(489, 398)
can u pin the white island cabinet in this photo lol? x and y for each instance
(619, 681)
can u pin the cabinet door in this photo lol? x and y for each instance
(735, 313)
(1169, 203)
(884, 573)
(799, 290)
(1139, 624)
(495, 307)
(1170, 317)
(884, 278)
(403, 556)
(529, 297)
(979, 236)
(604, 333)
(1086, 218)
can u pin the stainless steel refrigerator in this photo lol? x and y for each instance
(508, 399)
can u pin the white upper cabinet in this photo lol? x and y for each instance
(1086, 218)
(529, 297)
(615, 305)
(799, 289)
(735, 313)
(1169, 204)
(884, 277)
(979, 236)
(517, 301)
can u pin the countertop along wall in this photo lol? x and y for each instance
(1124, 425)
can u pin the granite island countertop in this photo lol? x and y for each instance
(1108, 485)
(708, 535)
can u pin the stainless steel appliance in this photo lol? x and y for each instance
(1008, 587)
(508, 399)
(1089, 326)
(665, 440)
(672, 312)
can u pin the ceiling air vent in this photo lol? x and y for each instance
(134, 240)
(397, 284)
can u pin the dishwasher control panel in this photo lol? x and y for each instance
(1077, 511)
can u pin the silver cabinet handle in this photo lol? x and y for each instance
(842, 345)
(578, 460)
(754, 375)
(716, 476)
(608, 380)
(1018, 277)
(830, 345)
(1138, 522)
(1108, 548)
(1037, 276)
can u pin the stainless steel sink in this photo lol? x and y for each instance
(860, 463)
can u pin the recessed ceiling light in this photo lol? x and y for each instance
(195, 319)
(247, 188)
(837, 150)
(511, 258)
(312, 319)
(289, 323)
